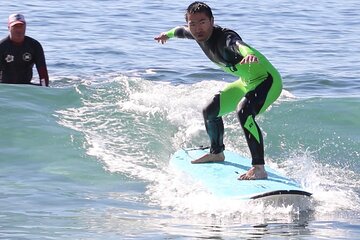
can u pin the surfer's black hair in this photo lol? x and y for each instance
(198, 7)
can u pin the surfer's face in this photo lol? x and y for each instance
(200, 25)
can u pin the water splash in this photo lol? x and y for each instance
(133, 126)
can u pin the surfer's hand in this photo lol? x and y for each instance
(249, 59)
(162, 38)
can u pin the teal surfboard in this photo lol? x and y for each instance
(220, 179)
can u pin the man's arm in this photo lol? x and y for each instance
(247, 53)
(179, 32)
(43, 76)
(41, 66)
(235, 44)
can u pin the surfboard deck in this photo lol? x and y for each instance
(220, 179)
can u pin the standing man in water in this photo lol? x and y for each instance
(19, 53)
(259, 84)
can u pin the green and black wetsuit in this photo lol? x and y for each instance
(258, 86)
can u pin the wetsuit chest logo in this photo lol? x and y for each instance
(27, 57)
(9, 58)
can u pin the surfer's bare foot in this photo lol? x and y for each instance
(210, 157)
(256, 172)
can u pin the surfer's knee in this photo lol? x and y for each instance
(242, 111)
(211, 110)
(205, 112)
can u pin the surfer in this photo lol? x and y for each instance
(19, 53)
(258, 86)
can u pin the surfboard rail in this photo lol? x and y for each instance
(282, 192)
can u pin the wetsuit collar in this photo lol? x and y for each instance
(16, 43)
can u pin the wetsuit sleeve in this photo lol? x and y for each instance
(41, 64)
(179, 32)
(235, 44)
(244, 49)
(43, 74)
(2, 60)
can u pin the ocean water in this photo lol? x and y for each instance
(88, 157)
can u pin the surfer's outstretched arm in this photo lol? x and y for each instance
(178, 32)
(162, 37)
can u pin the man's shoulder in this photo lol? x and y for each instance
(33, 43)
(31, 40)
(226, 34)
(4, 40)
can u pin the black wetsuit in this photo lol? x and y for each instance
(17, 61)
